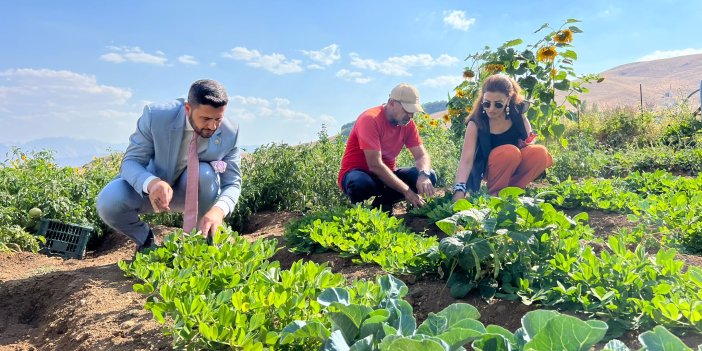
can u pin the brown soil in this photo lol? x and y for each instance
(53, 304)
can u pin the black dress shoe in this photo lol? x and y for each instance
(149, 243)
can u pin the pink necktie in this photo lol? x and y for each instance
(190, 214)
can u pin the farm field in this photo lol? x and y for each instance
(603, 251)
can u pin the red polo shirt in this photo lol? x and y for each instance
(373, 131)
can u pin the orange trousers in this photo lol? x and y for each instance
(509, 165)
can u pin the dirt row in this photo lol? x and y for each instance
(47, 303)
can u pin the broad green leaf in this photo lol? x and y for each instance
(615, 345)
(491, 342)
(462, 332)
(660, 339)
(374, 322)
(394, 288)
(462, 205)
(496, 329)
(365, 344)
(460, 289)
(568, 333)
(534, 321)
(511, 191)
(450, 247)
(302, 330)
(348, 319)
(433, 325)
(447, 225)
(457, 312)
(336, 342)
(513, 42)
(331, 295)
(570, 54)
(407, 344)
(558, 129)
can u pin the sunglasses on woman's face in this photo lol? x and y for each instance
(498, 104)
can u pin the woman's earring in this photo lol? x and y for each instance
(507, 110)
(483, 111)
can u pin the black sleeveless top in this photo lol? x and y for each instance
(510, 136)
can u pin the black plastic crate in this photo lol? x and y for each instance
(64, 239)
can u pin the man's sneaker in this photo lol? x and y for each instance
(383, 206)
(149, 243)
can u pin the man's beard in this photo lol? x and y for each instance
(203, 133)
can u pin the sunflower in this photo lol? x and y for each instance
(446, 118)
(420, 127)
(493, 68)
(469, 109)
(434, 123)
(563, 36)
(546, 54)
(554, 72)
(467, 74)
(460, 93)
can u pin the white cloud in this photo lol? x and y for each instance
(328, 119)
(41, 103)
(610, 11)
(315, 66)
(135, 54)
(274, 63)
(457, 20)
(326, 56)
(188, 60)
(353, 76)
(443, 81)
(112, 57)
(261, 110)
(661, 54)
(400, 65)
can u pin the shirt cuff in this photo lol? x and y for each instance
(148, 180)
(222, 205)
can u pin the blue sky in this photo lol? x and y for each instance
(85, 69)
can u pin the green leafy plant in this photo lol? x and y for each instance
(369, 235)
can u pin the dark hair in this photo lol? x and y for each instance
(207, 92)
(497, 83)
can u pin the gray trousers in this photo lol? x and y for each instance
(119, 206)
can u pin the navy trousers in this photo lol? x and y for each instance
(360, 185)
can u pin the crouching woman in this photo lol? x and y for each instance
(498, 145)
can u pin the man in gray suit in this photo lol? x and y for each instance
(152, 176)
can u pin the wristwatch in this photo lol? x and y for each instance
(425, 173)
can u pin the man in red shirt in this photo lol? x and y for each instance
(379, 134)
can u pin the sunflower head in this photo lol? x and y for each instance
(554, 72)
(563, 36)
(446, 118)
(546, 54)
(434, 123)
(493, 68)
(467, 74)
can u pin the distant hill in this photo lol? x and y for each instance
(663, 83)
(67, 151)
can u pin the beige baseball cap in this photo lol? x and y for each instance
(408, 96)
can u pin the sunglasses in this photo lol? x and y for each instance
(498, 104)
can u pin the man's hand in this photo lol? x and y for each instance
(424, 186)
(210, 222)
(413, 198)
(160, 195)
(458, 195)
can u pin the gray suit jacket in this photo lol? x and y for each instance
(153, 150)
